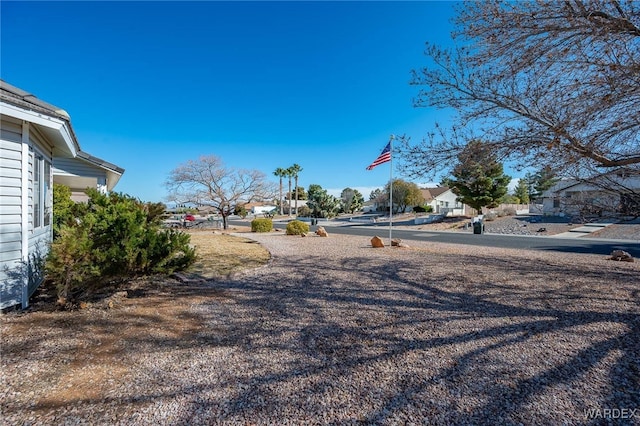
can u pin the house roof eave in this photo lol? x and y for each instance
(53, 120)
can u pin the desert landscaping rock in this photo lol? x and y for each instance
(321, 232)
(333, 331)
(376, 242)
(621, 255)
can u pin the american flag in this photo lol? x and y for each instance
(384, 156)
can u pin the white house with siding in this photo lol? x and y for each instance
(37, 148)
(443, 201)
(610, 194)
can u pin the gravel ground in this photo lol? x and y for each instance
(333, 331)
(619, 231)
(540, 226)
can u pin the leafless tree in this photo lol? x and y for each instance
(546, 82)
(207, 182)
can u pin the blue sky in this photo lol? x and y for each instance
(150, 85)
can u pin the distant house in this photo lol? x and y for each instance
(39, 147)
(259, 208)
(443, 201)
(614, 193)
(369, 206)
(290, 205)
(202, 210)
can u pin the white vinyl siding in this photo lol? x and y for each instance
(23, 239)
(87, 176)
(76, 167)
(11, 212)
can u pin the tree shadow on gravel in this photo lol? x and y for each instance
(601, 342)
(387, 340)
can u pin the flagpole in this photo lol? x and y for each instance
(387, 156)
(391, 189)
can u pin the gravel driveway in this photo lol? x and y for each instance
(333, 331)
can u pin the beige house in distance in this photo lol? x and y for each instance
(610, 194)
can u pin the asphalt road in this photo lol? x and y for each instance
(567, 245)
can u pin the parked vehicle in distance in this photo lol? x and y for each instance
(190, 217)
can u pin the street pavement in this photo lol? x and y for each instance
(522, 242)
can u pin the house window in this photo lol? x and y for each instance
(37, 192)
(556, 203)
(41, 192)
(47, 194)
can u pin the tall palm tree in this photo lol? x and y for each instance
(280, 172)
(295, 170)
(288, 172)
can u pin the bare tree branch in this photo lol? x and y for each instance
(546, 82)
(207, 182)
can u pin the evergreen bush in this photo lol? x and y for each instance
(241, 211)
(111, 238)
(65, 210)
(304, 211)
(261, 225)
(297, 227)
(423, 209)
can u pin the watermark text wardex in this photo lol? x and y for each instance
(611, 413)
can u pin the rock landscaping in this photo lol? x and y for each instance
(333, 331)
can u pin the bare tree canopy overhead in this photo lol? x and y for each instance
(207, 182)
(546, 82)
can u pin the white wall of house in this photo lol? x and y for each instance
(567, 198)
(26, 200)
(447, 204)
(262, 209)
(11, 226)
(369, 207)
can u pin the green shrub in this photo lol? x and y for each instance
(113, 237)
(241, 211)
(65, 210)
(261, 225)
(509, 211)
(304, 211)
(297, 227)
(423, 209)
(70, 261)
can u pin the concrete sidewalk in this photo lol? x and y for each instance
(581, 231)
